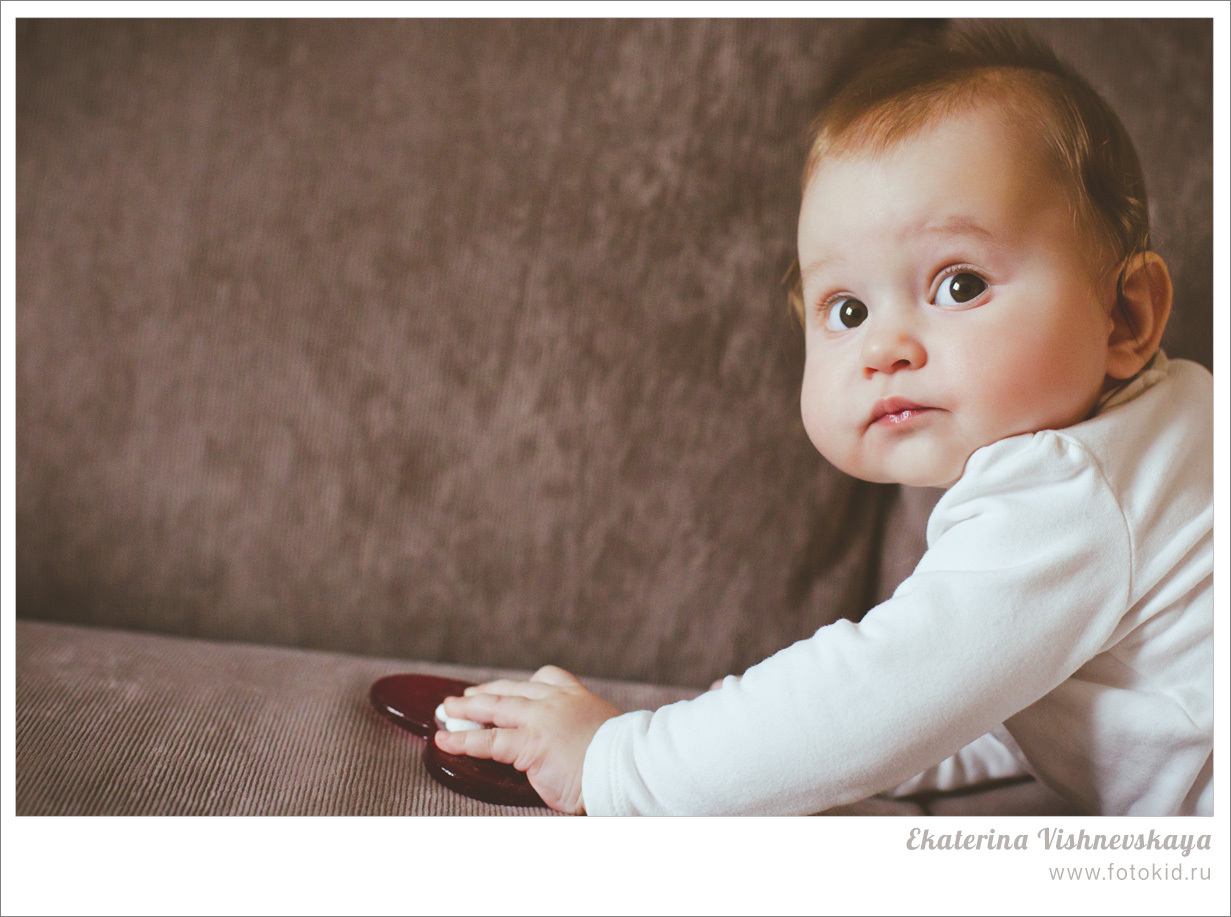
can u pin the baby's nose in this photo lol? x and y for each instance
(889, 350)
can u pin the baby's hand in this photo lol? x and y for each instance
(543, 727)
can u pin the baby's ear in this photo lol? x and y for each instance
(1140, 315)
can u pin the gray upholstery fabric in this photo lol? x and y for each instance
(463, 341)
(451, 340)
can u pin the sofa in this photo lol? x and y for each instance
(354, 348)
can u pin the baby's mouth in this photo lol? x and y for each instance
(897, 411)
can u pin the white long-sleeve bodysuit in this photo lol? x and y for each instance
(1064, 604)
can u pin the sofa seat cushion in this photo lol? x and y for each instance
(113, 722)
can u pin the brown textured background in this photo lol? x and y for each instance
(464, 341)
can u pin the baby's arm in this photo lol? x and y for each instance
(542, 726)
(1013, 596)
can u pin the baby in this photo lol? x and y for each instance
(982, 313)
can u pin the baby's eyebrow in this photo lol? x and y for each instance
(813, 267)
(958, 225)
(953, 225)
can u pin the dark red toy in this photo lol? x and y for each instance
(411, 702)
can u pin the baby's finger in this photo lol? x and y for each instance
(529, 689)
(498, 709)
(554, 675)
(497, 744)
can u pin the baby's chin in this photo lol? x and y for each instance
(922, 473)
(942, 481)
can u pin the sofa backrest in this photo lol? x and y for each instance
(464, 340)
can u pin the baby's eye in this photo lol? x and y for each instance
(845, 314)
(959, 288)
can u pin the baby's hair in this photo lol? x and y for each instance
(909, 87)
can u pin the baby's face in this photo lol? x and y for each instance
(950, 301)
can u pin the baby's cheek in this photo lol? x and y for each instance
(812, 408)
(826, 430)
(814, 425)
(1049, 388)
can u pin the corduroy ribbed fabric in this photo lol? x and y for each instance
(117, 723)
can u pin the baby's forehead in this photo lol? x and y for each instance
(1017, 150)
(971, 177)
(1008, 104)
(989, 134)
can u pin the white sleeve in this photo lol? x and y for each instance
(992, 756)
(1026, 577)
